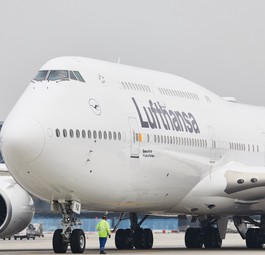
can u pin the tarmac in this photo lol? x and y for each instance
(164, 243)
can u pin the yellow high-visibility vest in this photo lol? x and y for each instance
(103, 228)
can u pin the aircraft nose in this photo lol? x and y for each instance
(22, 139)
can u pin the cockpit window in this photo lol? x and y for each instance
(72, 76)
(41, 75)
(79, 77)
(58, 75)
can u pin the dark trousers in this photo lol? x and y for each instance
(102, 242)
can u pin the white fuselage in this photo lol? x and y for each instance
(159, 143)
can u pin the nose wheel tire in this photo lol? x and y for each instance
(58, 243)
(78, 241)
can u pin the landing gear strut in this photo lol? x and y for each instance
(68, 235)
(207, 235)
(135, 236)
(255, 237)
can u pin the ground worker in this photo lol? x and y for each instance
(103, 232)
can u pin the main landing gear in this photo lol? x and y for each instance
(207, 235)
(255, 237)
(69, 235)
(135, 236)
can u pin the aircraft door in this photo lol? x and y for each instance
(135, 143)
(212, 145)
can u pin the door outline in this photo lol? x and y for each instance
(134, 134)
(212, 144)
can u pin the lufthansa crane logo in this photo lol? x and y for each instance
(95, 107)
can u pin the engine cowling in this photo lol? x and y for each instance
(16, 207)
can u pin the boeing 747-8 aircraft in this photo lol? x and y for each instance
(110, 137)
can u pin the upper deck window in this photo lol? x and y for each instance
(58, 75)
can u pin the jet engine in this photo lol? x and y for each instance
(16, 207)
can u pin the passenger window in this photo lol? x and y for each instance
(57, 132)
(77, 133)
(83, 133)
(114, 135)
(126, 85)
(89, 134)
(64, 133)
(71, 133)
(119, 136)
(95, 134)
(110, 135)
(105, 135)
(147, 88)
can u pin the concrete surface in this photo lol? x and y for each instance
(164, 243)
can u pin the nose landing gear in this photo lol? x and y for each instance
(69, 235)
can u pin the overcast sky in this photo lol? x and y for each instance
(219, 44)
